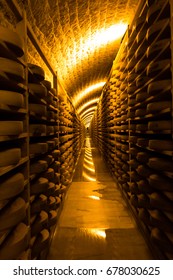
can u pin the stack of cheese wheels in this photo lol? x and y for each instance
(16, 242)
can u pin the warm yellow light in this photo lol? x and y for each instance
(98, 232)
(89, 168)
(81, 108)
(84, 93)
(87, 177)
(94, 197)
(89, 161)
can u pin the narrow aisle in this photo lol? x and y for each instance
(95, 223)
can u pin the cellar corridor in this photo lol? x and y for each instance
(95, 223)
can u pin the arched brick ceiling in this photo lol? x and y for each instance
(68, 32)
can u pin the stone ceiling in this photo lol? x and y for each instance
(68, 33)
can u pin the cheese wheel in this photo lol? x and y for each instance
(49, 129)
(56, 153)
(143, 142)
(51, 145)
(37, 129)
(159, 86)
(49, 159)
(49, 174)
(161, 164)
(142, 127)
(144, 216)
(52, 218)
(159, 238)
(13, 214)
(38, 148)
(158, 47)
(10, 157)
(155, 67)
(11, 98)
(39, 223)
(140, 112)
(158, 106)
(144, 171)
(11, 186)
(58, 201)
(56, 178)
(13, 41)
(133, 187)
(56, 166)
(51, 203)
(50, 190)
(38, 109)
(39, 186)
(38, 167)
(156, 28)
(38, 204)
(158, 201)
(38, 89)
(37, 71)
(161, 145)
(145, 187)
(160, 182)
(160, 125)
(141, 96)
(16, 242)
(57, 189)
(62, 189)
(134, 163)
(143, 157)
(158, 219)
(12, 69)
(47, 84)
(11, 128)
(41, 242)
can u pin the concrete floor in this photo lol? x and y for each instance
(95, 223)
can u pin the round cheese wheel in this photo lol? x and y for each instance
(133, 187)
(143, 157)
(143, 142)
(158, 219)
(140, 112)
(50, 190)
(141, 96)
(58, 201)
(38, 148)
(49, 129)
(142, 127)
(145, 187)
(160, 125)
(37, 129)
(12, 214)
(39, 186)
(158, 201)
(11, 127)
(158, 106)
(13, 69)
(38, 109)
(49, 174)
(47, 84)
(51, 145)
(134, 163)
(38, 167)
(38, 89)
(158, 47)
(38, 204)
(144, 171)
(39, 223)
(159, 86)
(13, 41)
(52, 218)
(41, 242)
(56, 154)
(11, 186)
(159, 238)
(155, 67)
(56, 178)
(161, 164)
(160, 182)
(11, 98)
(49, 159)
(16, 242)
(56, 166)
(144, 216)
(161, 145)
(10, 157)
(37, 71)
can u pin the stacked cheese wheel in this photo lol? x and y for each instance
(13, 230)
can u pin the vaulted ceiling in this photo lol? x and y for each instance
(81, 39)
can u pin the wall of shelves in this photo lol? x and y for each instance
(132, 125)
(41, 137)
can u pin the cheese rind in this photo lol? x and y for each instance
(10, 157)
(11, 98)
(11, 128)
(12, 186)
